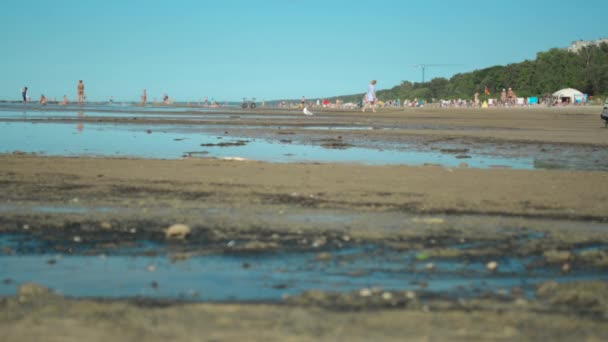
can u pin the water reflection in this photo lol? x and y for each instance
(80, 126)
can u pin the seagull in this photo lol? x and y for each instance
(307, 112)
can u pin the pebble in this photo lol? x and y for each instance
(365, 292)
(319, 242)
(77, 239)
(231, 243)
(26, 227)
(178, 231)
(132, 230)
(492, 266)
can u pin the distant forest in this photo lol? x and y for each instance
(585, 70)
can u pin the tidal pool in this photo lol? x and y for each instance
(267, 276)
(174, 142)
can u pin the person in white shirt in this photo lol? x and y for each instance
(370, 97)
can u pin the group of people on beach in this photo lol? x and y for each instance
(44, 100)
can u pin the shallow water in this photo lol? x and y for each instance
(68, 131)
(173, 142)
(269, 276)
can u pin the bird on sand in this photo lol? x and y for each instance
(307, 112)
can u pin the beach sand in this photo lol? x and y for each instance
(253, 198)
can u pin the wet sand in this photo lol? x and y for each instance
(255, 198)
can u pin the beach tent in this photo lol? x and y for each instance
(568, 95)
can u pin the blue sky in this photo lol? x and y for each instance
(270, 49)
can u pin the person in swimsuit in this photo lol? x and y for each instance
(81, 96)
(144, 98)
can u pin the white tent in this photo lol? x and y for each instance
(568, 95)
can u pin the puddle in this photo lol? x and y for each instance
(129, 272)
(173, 142)
(68, 131)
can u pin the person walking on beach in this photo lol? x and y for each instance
(144, 98)
(512, 97)
(503, 97)
(370, 97)
(81, 95)
(24, 94)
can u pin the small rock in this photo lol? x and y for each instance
(7, 281)
(365, 292)
(26, 227)
(178, 231)
(259, 246)
(492, 266)
(246, 265)
(319, 242)
(323, 256)
(231, 243)
(154, 285)
(566, 268)
(387, 296)
(51, 261)
(132, 230)
(77, 239)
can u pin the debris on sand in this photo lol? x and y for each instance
(228, 144)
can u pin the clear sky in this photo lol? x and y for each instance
(270, 49)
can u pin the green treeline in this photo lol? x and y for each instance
(585, 70)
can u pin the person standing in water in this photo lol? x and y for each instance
(24, 94)
(81, 95)
(370, 97)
